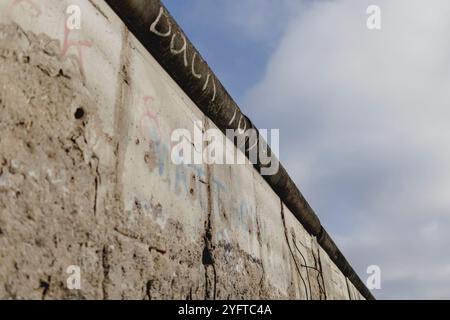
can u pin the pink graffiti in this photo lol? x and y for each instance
(78, 44)
(29, 2)
(148, 114)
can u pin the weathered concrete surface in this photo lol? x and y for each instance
(86, 179)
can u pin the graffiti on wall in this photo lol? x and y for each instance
(183, 180)
(248, 138)
(72, 23)
(162, 27)
(188, 180)
(78, 44)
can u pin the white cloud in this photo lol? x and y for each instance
(365, 129)
(260, 19)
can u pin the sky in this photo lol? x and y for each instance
(364, 119)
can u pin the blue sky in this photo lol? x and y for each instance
(364, 118)
(232, 37)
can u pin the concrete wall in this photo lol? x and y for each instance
(86, 178)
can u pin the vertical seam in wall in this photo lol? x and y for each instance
(306, 266)
(286, 234)
(348, 289)
(258, 234)
(207, 255)
(321, 273)
(120, 138)
(120, 112)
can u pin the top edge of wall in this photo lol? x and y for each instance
(159, 33)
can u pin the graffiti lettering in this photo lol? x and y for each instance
(71, 43)
(182, 50)
(155, 23)
(178, 179)
(156, 28)
(194, 73)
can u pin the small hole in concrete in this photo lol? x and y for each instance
(79, 113)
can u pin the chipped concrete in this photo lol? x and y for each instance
(49, 176)
(86, 180)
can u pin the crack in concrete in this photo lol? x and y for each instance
(207, 256)
(96, 182)
(348, 289)
(320, 275)
(45, 285)
(120, 112)
(303, 265)
(259, 237)
(148, 289)
(106, 268)
(98, 9)
(139, 239)
(290, 249)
